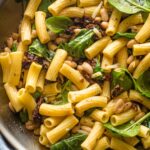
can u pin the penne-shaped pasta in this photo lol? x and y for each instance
(106, 89)
(40, 25)
(52, 89)
(87, 3)
(62, 129)
(31, 8)
(113, 22)
(146, 142)
(123, 96)
(56, 110)
(142, 67)
(121, 57)
(74, 76)
(32, 77)
(100, 116)
(16, 64)
(88, 11)
(118, 144)
(114, 47)
(22, 47)
(137, 97)
(102, 144)
(95, 134)
(56, 64)
(26, 31)
(144, 32)
(56, 7)
(130, 21)
(91, 102)
(122, 118)
(5, 62)
(12, 95)
(72, 12)
(76, 96)
(52, 121)
(97, 47)
(131, 140)
(41, 81)
(144, 131)
(44, 130)
(25, 73)
(27, 101)
(141, 49)
(43, 140)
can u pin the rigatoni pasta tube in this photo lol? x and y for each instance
(43, 140)
(51, 89)
(87, 3)
(131, 140)
(72, 12)
(44, 129)
(58, 5)
(121, 57)
(16, 65)
(144, 32)
(97, 47)
(88, 11)
(27, 101)
(26, 31)
(62, 129)
(40, 25)
(144, 131)
(5, 62)
(12, 95)
(56, 64)
(52, 121)
(102, 144)
(100, 116)
(106, 89)
(113, 22)
(31, 8)
(137, 97)
(22, 47)
(142, 67)
(32, 77)
(141, 49)
(114, 47)
(74, 76)
(95, 101)
(56, 110)
(76, 96)
(122, 118)
(130, 21)
(95, 134)
(118, 144)
(146, 142)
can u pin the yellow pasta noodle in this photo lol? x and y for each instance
(87, 3)
(27, 101)
(75, 76)
(40, 25)
(146, 142)
(88, 11)
(43, 140)
(97, 47)
(144, 131)
(76, 96)
(32, 77)
(16, 64)
(58, 5)
(56, 64)
(95, 101)
(56, 110)
(12, 95)
(22, 47)
(106, 89)
(44, 130)
(131, 140)
(95, 134)
(5, 62)
(64, 127)
(31, 8)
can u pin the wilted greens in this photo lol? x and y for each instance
(72, 143)
(14, 47)
(40, 50)
(23, 115)
(126, 35)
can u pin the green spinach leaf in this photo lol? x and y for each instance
(72, 143)
(23, 115)
(131, 6)
(126, 35)
(129, 129)
(40, 50)
(76, 47)
(58, 24)
(37, 95)
(14, 47)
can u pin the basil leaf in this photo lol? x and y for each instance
(143, 83)
(76, 47)
(72, 143)
(58, 24)
(40, 50)
(129, 129)
(131, 6)
(126, 35)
